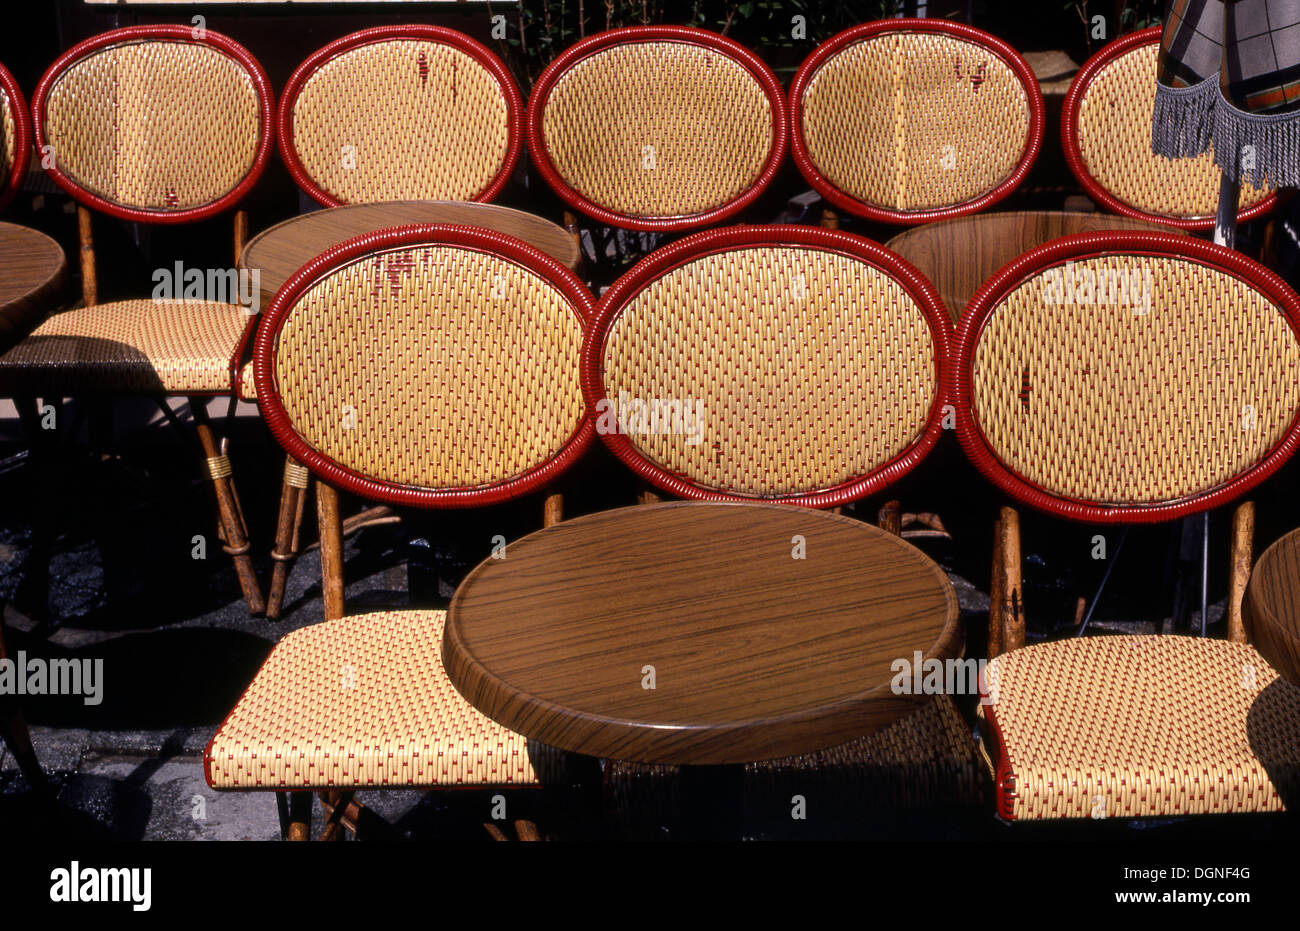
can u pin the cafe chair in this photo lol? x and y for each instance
(160, 125)
(407, 112)
(906, 121)
(15, 136)
(427, 366)
(1119, 378)
(1106, 133)
(657, 128)
(819, 364)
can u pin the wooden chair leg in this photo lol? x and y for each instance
(890, 518)
(1243, 539)
(331, 550)
(647, 497)
(830, 220)
(217, 467)
(293, 493)
(553, 510)
(334, 803)
(299, 816)
(1010, 589)
(995, 593)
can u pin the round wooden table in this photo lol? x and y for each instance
(698, 633)
(1271, 606)
(282, 249)
(959, 255)
(32, 272)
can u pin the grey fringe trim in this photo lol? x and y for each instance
(1184, 118)
(1257, 148)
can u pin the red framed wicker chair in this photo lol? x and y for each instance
(907, 121)
(151, 124)
(429, 366)
(1106, 134)
(821, 362)
(15, 136)
(657, 128)
(407, 112)
(1120, 378)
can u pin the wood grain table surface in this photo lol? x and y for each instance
(959, 255)
(1271, 606)
(281, 250)
(755, 654)
(32, 273)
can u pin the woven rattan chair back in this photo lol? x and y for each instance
(15, 136)
(789, 363)
(1129, 377)
(1106, 134)
(401, 113)
(908, 121)
(657, 127)
(160, 124)
(430, 366)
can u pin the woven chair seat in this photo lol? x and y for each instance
(171, 346)
(925, 760)
(1141, 726)
(364, 701)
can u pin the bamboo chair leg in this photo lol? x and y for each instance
(299, 816)
(331, 550)
(830, 220)
(1013, 609)
(1243, 538)
(335, 802)
(292, 496)
(995, 593)
(13, 728)
(890, 518)
(553, 510)
(86, 239)
(236, 545)
(647, 497)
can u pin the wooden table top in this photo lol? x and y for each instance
(756, 654)
(1271, 606)
(960, 254)
(282, 249)
(32, 271)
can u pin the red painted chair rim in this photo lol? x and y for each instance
(635, 34)
(325, 468)
(711, 242)
(1074, 155)
(1088, 245)
(476, 50)
(216, 40)
(22, 137)
(847, 202)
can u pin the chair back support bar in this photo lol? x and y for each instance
(15, 136)
(152, 124)
(430, 366)
(784, 362)
(409, 112)
(907, 121)
(657, 127)
(1106, 133)
(1129, 376)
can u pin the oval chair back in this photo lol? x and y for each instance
(410, 112)
(1106, 133)
(786, 363)
(657, 128)
(912, 120)
(154, 125)
(15, 136)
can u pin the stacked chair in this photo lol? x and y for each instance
(1171, 388)
(390, 113)
(153, 125)
(427, 367)
(821, 360)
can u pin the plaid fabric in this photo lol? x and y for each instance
(1229, 74)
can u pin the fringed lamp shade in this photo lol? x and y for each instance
(1229, 76)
